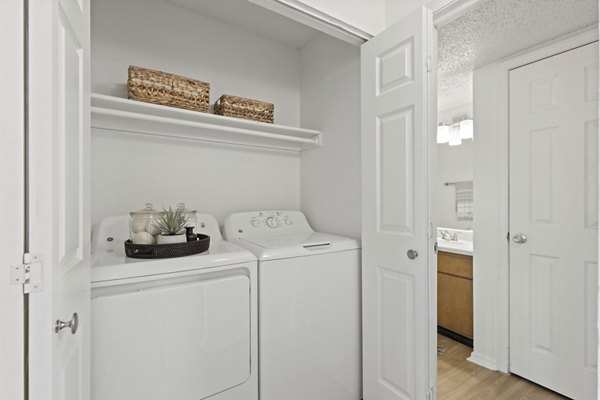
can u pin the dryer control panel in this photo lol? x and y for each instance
(271, 220)
(265, 223)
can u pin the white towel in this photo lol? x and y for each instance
(464, 200)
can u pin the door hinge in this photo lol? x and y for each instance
(428, 63)
(435, 247)
(28, 274)
(430, 394)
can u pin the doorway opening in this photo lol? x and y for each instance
(476, 52)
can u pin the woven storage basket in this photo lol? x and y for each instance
(239, 107)
(167, 89)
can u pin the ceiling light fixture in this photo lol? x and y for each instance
(443, 134)
(455, 132)
(466, 129)
(455, 139)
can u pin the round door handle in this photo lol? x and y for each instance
(412, 254)
(73, 324)
(519, 238)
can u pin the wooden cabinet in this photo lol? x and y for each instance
(455, 293)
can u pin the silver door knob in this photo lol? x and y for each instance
(519, 238)
(73, 324)
(412, 254)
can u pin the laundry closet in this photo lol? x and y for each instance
(285, 329)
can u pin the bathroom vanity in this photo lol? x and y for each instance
(455, 286)
(455, 293)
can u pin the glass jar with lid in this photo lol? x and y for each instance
(190, 216)
(141, 225)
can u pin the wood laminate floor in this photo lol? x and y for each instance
(459, 379)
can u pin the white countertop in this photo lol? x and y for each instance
(457, 247)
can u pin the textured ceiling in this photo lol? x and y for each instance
(497, 29)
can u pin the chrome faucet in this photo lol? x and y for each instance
(449, 236)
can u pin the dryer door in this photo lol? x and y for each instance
(181, 338)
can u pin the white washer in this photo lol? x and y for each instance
(180, 328)
(309, 306)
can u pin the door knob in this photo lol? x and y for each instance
(412, 254)
(73, 324)
(519, 238)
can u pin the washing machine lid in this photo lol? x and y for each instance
(109, 262)
(296, 245)
(273, 235)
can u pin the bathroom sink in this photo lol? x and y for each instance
(455, 241)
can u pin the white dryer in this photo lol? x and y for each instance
(309, 306)
(180, 328)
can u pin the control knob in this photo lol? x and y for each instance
(272, 222)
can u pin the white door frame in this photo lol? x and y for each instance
(493, 119)
(445, 11)
(12, 198)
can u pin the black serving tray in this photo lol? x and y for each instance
(170, 250)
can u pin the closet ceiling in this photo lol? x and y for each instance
(253, 18)
(498, 29)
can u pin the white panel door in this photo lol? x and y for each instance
(58, 202)
(554, 203)
(397, 347)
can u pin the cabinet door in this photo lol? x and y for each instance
(455, 304)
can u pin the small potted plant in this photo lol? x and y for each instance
(171, 224)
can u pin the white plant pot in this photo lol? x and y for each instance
(166, 239)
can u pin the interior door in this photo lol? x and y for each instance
(396, 114)
(58, 197)
(554, 221)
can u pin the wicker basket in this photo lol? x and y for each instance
(239, 107)
(168, 89)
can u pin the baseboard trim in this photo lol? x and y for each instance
(455, 336)
(483, 361)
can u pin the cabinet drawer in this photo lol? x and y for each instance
(455, 264)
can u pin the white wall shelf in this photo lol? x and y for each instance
(111, 113)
